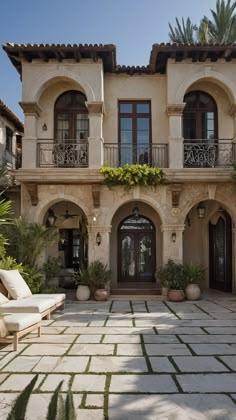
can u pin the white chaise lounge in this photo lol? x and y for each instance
(18, 325)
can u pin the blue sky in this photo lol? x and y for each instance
(132, 25)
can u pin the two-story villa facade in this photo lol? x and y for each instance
(83, 112)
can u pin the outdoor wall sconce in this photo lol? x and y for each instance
(51, 219)
(173, 237)
(136, 212)
(44, 127)
(98, 239)
(201, 211)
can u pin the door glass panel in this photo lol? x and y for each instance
(145, 266)
(81, 124)
(189, 125)
(127, 257)
(62, 128)
(219, 250)
(208, 125)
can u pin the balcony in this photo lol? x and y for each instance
(155, 155)
(72, 154)
(209, 153)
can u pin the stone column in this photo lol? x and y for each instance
(29, 142)
(175, 113)
(95, 139)
(233, 260)
(99, 252)
(172, 243)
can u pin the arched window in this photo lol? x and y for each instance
(71, 117)
(200, 117)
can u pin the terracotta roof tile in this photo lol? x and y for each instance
(6, 112)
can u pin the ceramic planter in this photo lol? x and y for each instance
(82, 293)
(176, 295)
(193, 291)
(101, 295)
(164, 291)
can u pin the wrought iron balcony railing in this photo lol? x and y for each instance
(209, 153)
(155, 155)
(71, 154)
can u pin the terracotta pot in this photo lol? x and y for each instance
(82, 293)
(193, 291)
(176, 295)
(101, 295)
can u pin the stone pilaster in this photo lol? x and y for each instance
(29, 142)
(175, 113)
(95, 140)
(172, 243)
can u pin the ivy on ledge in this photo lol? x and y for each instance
(132, 175)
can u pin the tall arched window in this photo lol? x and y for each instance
(71, 117)
(200, 117)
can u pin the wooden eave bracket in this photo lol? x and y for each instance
(96, 188)
(33, 192)
(175, 192)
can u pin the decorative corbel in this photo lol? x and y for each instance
(33, 192)
(175, 191)
(96, 107)
(96, 195)
(31, 108)
(175, 109)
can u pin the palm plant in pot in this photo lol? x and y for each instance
(172, 274)
(82, 282)
(194, 273)
(99, 279)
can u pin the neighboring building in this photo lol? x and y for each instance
(11, 132)
(82, 111)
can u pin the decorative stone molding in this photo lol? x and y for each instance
(33, 192)
(175, 191)
(96, 107)
(96, 188)
(175, 109)
(31, 108)
(232, 110)
(172, 228)
(211, 191)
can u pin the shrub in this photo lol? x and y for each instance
(131, 175)
(34, 278)
(99, 275)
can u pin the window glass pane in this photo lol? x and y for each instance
(126, 123)
(143, 123)
(126, 108)
(189, 125)
(81, 126)
(208, 125)
(143, 155)
(143, 108)
(126, 154)
(126, 137)
(127, 257)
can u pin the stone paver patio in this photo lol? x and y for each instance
(131, 359)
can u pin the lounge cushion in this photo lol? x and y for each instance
(18, 322)
(57, 297)
(3, 299)
(15, 284)
(3, 328)
(28, 305)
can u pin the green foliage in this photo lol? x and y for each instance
(52, 408)
(172, 275)
(18, 411)
(26, 241)
(193, 273)
(51, 267)
(183, 32)
(82, 277)
(131, 175)
(69, 407)
(99, 275)
(33, 277)
(9, 263)
(52, 290)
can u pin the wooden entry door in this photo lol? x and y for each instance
(220, 253)
(136, 251)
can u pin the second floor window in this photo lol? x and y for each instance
(71, 117)
(9, 137)
(134, 131)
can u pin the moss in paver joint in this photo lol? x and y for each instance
(102, 338)
(88, 365)
(149, 366)
(115, 349)
(106, 395)
(131, 307)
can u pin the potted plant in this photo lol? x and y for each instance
(51, 268)
(82, 283)
(99, 279)
(172, 274)
(162, 275)
(194, 273)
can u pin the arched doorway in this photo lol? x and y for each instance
(136, 249)
(220, 251)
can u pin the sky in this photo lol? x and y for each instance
(132, 25)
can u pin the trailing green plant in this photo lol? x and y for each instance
(51, 267)
(34, 278)
(132, 175)
(99, 275)
(9, 263)
(193, 273)
(172, 275)
(58, 409)
(82, 277)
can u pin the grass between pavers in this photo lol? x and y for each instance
(106, 395)
(148, 363)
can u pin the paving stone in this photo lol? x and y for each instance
(6, 402)
(52, 330)
(46, 349)
(208, 339)
(3, 376)
(119, 323)
(213, 349)
(211, 307)
(161, 365)
(121, 306)
(129, 349)
(52, 381)
(69, 322)
(211, 382)
(171, 407)
(229, 361)
(166, 349)
(194, 315)
(48, 338)
(109, 338)
(180, 330)
(92, 349)
(22, 364)
(89, 383)
(109, 330)
(96, 324)
(199, 364)
(11, 355)
(142, 383)
(89, 339)
(90, 414)
(37, 407)
(17, 382)
(95, 400)
(160, 339)
(219, 330)
(62, 364)
(118, 364)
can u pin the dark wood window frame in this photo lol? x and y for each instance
(134, 115)
(199, 111)
(9, 139)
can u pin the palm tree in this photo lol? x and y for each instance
(184, 32)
